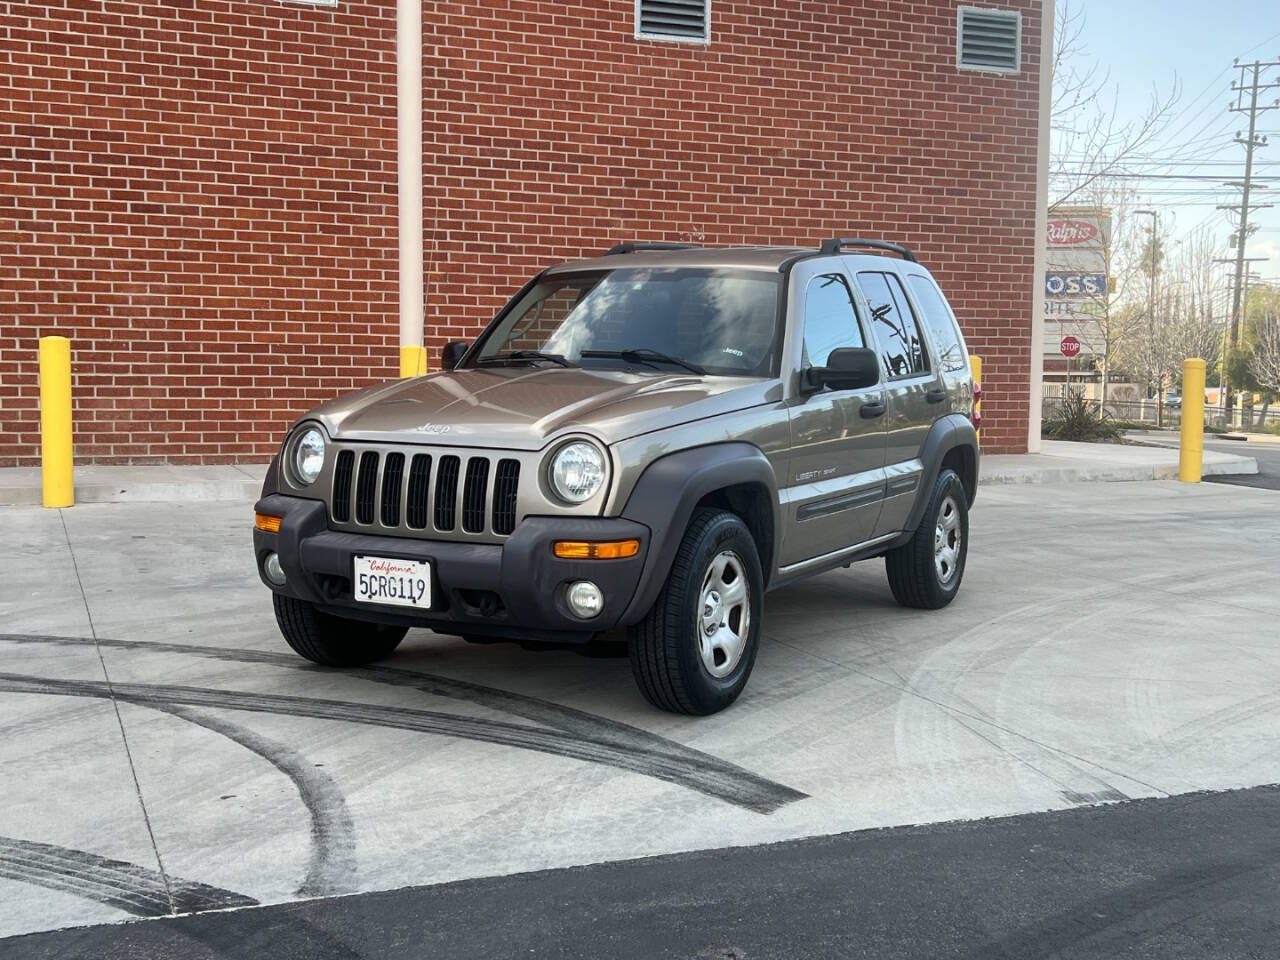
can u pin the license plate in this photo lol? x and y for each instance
(402, 583)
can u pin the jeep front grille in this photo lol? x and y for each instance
(505, 488)
(446, 493)
(419, 482)
(366, 481)
(434, 492)
(392, 475)
(342, 486)
(466, 490)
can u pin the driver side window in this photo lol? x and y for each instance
(830, 319)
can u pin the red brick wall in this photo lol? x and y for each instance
(202, 195)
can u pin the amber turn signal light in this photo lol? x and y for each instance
(593, 550)
(263, 521)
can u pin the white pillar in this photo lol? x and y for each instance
(1035, 394)
(409, 175)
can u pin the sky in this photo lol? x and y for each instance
(1144, 43)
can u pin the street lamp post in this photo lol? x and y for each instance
(1151, 312)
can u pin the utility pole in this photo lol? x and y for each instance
(1239, 294)
(1250, 81)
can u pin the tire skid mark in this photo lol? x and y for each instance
(734, 786)
(942, 690)
(332, 866)
(760, 794)
(114, 883)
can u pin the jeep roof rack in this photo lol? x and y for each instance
(633, 246)
(838, 244)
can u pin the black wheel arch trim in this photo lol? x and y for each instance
(948, 433)
(669, 490)
(271, 482)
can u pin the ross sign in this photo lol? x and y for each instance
(1066, 233)
(1075, 284)
(1070, 346)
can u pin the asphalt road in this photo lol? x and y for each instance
(1267, 455)
(1195, 876)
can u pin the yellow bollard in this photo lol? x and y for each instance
(55, 421)
(975, 365)
(413, 360)
(1191, 455)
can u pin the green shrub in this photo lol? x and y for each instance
(1080, 420)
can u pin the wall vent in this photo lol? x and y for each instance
(674, 19)
(989, 40)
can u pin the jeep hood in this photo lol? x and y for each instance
(522, 408)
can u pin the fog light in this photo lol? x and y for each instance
(271, 567)
(584, 599)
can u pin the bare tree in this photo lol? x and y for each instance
(1088, 140)
(1121, 255)
(1183, 324)
(1264, 363)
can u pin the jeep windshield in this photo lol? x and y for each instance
(720, 321)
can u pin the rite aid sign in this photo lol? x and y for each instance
(1075, 284)
(1068, 233)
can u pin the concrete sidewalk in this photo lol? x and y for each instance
(143, 483)
(1059, 462)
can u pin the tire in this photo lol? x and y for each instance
(674, 668)
(333, 641)
(925, 572)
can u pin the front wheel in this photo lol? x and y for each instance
(925, 572)
(333, 641)
(694, 650)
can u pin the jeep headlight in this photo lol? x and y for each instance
(577, 471)
(308, 455)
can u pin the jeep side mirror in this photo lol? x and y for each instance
(451, 353)
(848, 368)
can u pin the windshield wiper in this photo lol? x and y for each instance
(525, 355)
(644, 355)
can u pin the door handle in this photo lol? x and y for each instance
(936, 395)
(870, 411)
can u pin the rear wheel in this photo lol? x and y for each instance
(925, 572)
(694, 650)
(333, 641)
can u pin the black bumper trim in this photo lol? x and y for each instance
(522, 571)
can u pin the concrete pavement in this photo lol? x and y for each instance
(162, 746)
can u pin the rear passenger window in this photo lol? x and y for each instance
(830, 321)
(941, 323)
(894, 325)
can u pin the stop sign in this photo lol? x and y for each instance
(1070, 346)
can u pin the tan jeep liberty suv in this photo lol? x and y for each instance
(647, 440)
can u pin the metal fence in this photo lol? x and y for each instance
(1243, 419)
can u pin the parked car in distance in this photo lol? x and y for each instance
(645, 441)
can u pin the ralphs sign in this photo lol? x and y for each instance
(1064, 233)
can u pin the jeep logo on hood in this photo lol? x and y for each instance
(434, 429)
(1066, 232)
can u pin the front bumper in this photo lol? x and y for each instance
(512, 589)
